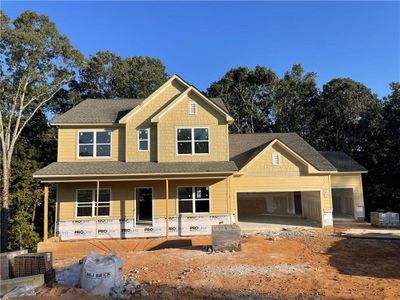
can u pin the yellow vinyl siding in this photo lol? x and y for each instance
(123, 197)
(142, 120)
(289, 165)
(179, 117)
(353, 181)
(68, 143)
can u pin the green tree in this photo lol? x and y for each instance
(346, 114)
(107, 75)
(295, 97)
(248, 95)
(390, 162)
(36, 62)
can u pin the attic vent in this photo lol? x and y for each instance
(276, 161)
(192, 108)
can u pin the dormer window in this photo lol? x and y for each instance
(192, 108)
(94, 144)
(276, 160)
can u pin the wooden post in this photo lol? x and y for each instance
(228, 192)
(46, 213)
(166, 208)
(97, 205)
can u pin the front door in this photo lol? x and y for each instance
(144, 205)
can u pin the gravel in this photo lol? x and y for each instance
(258, 270)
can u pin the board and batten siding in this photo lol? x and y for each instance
(123, 197)
(68, 144)
(205, 117)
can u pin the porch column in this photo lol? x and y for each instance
(228, 196)
(46, 213)
(166, 208)
(97, 205)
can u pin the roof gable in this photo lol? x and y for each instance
(185, 94)
(260, 151)
(152, 96)
(290, 164)
(244, 147)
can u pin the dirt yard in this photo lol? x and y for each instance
(289, 265)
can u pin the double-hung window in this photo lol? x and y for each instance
(194, 199)
(86, 202)
(192, 140)
(94, 143)
(143, 139)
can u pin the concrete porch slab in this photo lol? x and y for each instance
(269, 222)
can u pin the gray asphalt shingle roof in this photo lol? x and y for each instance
(130, 168)
(244, 147)
(343, 162)
(94, 111)
(98, 111)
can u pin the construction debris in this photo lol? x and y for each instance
(20, 291)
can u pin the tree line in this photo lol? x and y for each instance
(43, 75)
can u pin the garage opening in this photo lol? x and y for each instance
(258, 209)
(343, 203)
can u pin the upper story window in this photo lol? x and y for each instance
(192, 140)
(143, 139)
(86, 202)
(192, 108)
(276, 160)
(94, 143)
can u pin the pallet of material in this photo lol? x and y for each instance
(226, 238)
(384, 219)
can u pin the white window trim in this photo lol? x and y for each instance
(194, 104)
(94, 144)
(193, 141)
(274, 163)
(94, 200)
(193, 200)
(139, 140)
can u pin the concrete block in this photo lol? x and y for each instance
(10, 284)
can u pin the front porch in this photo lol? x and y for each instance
(142, 207)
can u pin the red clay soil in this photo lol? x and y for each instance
(305, 267)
